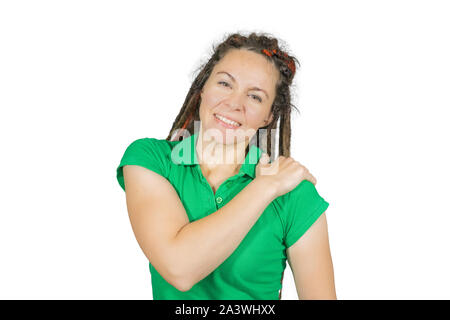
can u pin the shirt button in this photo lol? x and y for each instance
(219, 199)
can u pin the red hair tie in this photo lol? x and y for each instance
(290, 62)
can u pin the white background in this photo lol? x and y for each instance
(80, 80)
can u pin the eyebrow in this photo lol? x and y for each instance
(252, 88)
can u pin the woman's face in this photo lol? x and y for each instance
(241, 88)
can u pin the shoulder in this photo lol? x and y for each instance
(301, 201)
(151, 153)
(304, 196)
(304, 190)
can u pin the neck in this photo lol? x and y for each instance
(220, 157)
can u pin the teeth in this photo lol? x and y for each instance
(230, 122)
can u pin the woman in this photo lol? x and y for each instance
(215, 218)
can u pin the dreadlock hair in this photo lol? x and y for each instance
(281, 107)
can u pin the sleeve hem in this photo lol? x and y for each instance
(135, 162)
(308, 223)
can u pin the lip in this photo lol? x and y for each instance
(224, 124)
(225, 116)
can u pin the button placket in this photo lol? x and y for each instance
(207, 185)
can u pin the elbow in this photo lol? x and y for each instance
(181, 283)
(183, 286)
(173, 275)
(180, 280)
(179, 271)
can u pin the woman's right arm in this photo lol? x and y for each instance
(184, 253)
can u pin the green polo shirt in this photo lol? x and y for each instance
(254, 270)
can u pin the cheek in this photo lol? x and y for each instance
(254, 117)
(211, 98)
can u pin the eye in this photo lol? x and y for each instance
(257, 97)
(227, 85)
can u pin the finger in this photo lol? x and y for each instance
(264, 158)
(312, 179)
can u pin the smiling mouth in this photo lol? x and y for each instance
(228, 122)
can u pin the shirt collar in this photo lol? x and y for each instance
(184, 153)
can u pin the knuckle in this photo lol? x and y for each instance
(302, 170)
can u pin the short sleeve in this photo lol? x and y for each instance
(146, 152)
(304, 206)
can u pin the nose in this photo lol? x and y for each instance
(236, 101)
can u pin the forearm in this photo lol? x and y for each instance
(201, 246)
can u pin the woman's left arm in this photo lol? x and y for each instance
(311, 264)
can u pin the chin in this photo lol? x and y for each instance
(229, 136)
